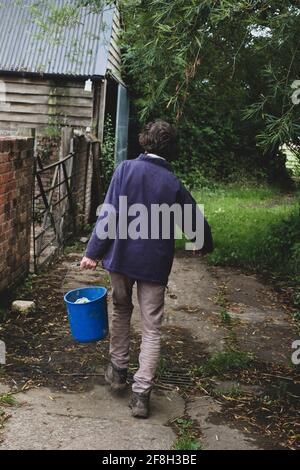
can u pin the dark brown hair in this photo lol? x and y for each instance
(159, 137)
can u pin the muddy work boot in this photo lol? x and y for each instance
(116, 378)
(139, 404)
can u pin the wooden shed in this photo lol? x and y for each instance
(67, 76)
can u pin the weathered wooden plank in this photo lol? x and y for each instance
(39, 119)
(114, 71)
(116, 35)
(117, 14)
(114, 49)
(78, 121)
(70, 101)
(72, 92)
(72, 111)
(45, 99)
(32, 89)
(28, 118)
(115, 38)
(116, 25)
(42, 81)
(30, 109)
(112, 64)
(29, 99)
(15, 126)
(51, 110)
(115, 54)
(115, 41)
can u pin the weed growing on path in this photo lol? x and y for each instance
(225, 317)
(187, 439)
(233, 392)
(8, 399)
(226, 361)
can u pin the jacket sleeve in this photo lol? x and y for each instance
(185, 198)
(100, 242)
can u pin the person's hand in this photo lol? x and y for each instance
(88, 263)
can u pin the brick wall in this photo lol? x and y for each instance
(16, 169)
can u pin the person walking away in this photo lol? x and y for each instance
(150, 181)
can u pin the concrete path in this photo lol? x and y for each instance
(94, 420)
(48, 418)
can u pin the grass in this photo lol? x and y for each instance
(8, 399)
(256, 228)
(3, 418)
(296, 316)
(233, 392)
(187, 442)
(225, 317)
(74, 247)
(186, 438)
(242, 220)
(224, 362)
(162, 367)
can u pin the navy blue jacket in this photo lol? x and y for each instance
(145, 180)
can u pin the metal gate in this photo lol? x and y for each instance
(54, 217)
(66, 195)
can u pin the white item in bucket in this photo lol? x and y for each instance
(82, 300)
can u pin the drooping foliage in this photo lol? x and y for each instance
(223, 71)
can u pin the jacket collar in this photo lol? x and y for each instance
(155, 161)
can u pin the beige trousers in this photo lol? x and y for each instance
(151, 301)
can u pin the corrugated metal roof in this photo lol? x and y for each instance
(77, 50)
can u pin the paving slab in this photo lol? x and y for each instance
(216, 433)
(93, 421)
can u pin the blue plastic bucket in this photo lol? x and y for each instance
(88, 321)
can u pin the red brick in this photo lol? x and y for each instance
(5, 146)
(6, 177)
(5, 166)
(16, 165)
